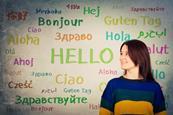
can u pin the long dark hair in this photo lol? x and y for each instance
(138, 52)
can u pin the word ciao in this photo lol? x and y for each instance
(41, 74)
(82, 90)
(20, 85)
(92, 11)
(72, 56)
(47, 11)
(59, 22)
(25, 62)
(22, 40)
(152, 34)
(145, 21)
(153, 49)
(50, 100)
(69, 80)
(118, 36)
(72, 37)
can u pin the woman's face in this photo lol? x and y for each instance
(125, 61)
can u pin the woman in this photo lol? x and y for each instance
(136, 92)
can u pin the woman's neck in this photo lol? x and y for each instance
(133, 74)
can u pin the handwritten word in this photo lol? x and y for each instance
(158, 74)
(73, 6)
(146, 20)
(13, 15)
(15, 85)
(73, 55)
(109, 72)
(157, 9)
(92, 11)
(118, 36)
(49, 90)
(163, 62)
(71, 37)
(82, 90)
(158, 49)
(10, 51)
(94, 106)
(152, 34)
(24, 40)
(69, 80)
(50, 100)
(41, 108)
(41, 74)
(61, 22)
(27, 62)
(34, 29)
(13, 72)
(47, 11)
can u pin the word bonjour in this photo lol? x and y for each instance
(82, 90)
(50, 100)
(152, 34)
(92, 11)
(25, 62)
(22, 40)
(21, 85)
(59, 22)
(69, 80)
(118, 36)
(146, 20)
(72, 55)
(72, 37)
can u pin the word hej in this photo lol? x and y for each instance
(17, 15)
(72, 55)
(73, 37)
(66, 79)
(82, 90)
(73, 99)
(22, 40)
(24, 62)
(92, 11)
(144, 20)
(152, 34)
(20, 85)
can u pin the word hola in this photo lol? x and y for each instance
(118, 36)
(27, 62)
(92, 11)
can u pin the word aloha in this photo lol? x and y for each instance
(50, 100)
(72, 37)
(72, 55)
(152, 34)
(145, 21)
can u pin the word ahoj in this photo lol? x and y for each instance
(25, 62)
(59, 22)
(118, 36)
(14, 15)
(47, 11)
(92, 11)
(69, 80)
(15, 85)
(152, 34)
(72, 55)
(158, 49)
(72, 37)
(22, 40)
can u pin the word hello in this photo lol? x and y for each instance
(109, 72)
(69, 80)
(163, 62)
(158, 49)
(10, 51)
(59, 22)
(25, 62)
(118, 36)
(20, 85)
(34, 29)
(72, 55)
(82, 90)
(92, 11)
(22, 40)
(42, 108)
(72, 37)
(49, 90)
(145, 21)
(47, 11)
